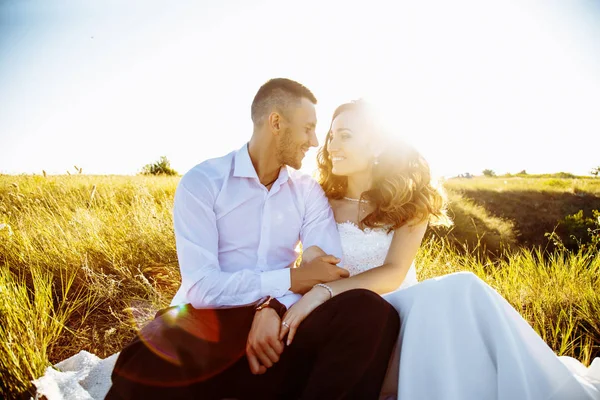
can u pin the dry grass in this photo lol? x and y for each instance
(85, 261)
(531, 206)
(111, 237)
(557, 293)
(476, 228)
(502, 184)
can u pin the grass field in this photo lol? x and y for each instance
(86, 260)
(517, 212)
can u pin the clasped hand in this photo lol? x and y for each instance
(265, 340)
(264, 347)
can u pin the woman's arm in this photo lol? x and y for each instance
(383, 279)
(389, 276)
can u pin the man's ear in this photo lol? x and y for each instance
(275, 123)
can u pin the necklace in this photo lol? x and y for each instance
(362, 205)
(356, 200)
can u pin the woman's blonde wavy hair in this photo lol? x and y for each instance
(402, 190)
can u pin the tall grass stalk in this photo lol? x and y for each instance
(31, 322)
(557, 293)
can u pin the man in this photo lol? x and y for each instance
(237, 221)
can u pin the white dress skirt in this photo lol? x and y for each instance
(459, 339)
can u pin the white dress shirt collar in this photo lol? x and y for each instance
(243, 168)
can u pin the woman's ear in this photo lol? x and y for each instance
(376, 151)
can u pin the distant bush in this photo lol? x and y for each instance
(522, 172)
(488, 172)
(595, 171)
(577, 231)
(564, 175)
(160, 167)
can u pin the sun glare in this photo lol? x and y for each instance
(471, 84)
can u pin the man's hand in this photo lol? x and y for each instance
(264, 346)
(321, 269)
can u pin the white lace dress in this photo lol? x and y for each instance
(460, 339)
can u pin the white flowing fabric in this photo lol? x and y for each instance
(82, 376)
(461, 340)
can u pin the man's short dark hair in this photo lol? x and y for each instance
(278, 94)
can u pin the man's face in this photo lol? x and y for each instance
(298, 134)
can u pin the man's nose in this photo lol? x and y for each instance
(314, 142)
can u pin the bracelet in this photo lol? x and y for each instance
(326, 287)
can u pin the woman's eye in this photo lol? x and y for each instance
(346, 136)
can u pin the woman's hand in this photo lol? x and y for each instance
(299, 311)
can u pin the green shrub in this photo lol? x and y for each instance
(160, 167)
(564, 175)
(578, 231)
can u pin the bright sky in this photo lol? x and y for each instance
(112, 85)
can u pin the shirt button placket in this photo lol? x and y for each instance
(263, 243)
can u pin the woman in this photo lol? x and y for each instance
(459, 338)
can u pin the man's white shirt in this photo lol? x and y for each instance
(236, 240)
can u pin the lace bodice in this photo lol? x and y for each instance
(367, 249)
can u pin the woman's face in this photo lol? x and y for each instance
(349, 145)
